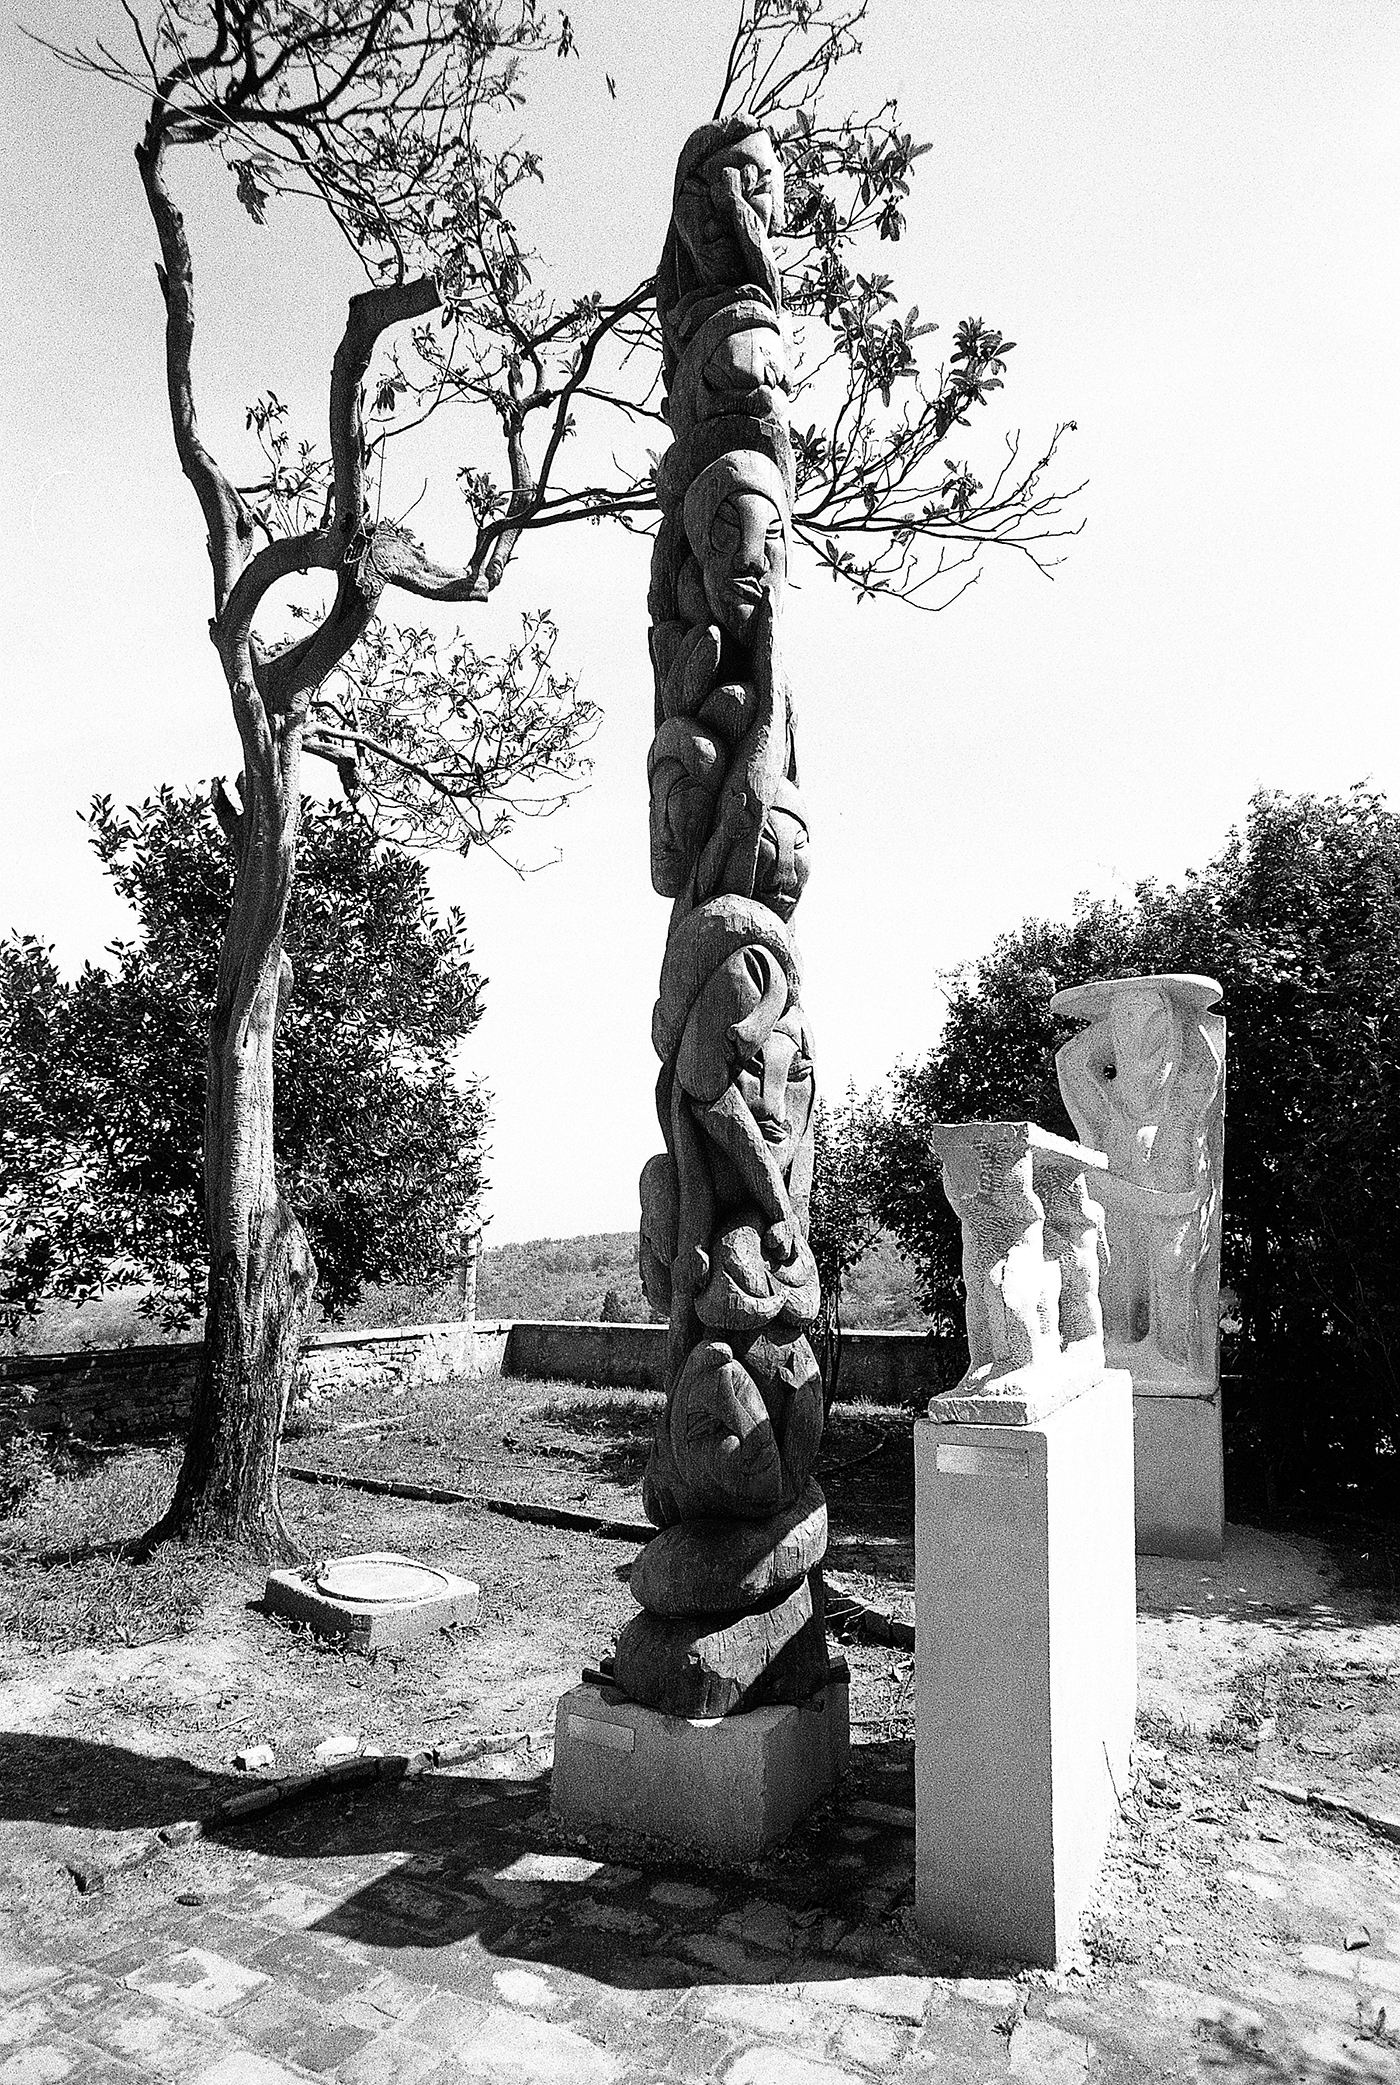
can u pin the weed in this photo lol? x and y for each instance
(1381, 1752)
(1282, 1687)
(1169, 1733)
(27, 1474)
(1107, 1946)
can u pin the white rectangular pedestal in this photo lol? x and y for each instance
(729, 1786)
(1180, 1474)
(1025, 1612)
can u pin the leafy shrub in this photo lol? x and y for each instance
(27, 1474)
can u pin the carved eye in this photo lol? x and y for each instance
(799, 1069)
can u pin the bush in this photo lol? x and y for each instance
(27, 1474)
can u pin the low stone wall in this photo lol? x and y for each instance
(110, 1394)
(885, 1367)
(622, 1357)
(394, 1357)
(143, 1393)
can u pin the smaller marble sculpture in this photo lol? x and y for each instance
(1034, 1252)
(1145, 1083)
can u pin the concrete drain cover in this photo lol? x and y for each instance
(380, 1576)
(375, 1598)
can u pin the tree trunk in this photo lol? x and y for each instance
(830, 1337)
(262, 1274)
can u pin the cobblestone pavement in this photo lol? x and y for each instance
(441, 1933)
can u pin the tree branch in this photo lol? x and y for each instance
(227, 521)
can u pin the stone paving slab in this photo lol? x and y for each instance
(443, 1935)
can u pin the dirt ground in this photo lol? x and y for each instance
(126, 1692)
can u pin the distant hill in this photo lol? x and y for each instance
(550, 1278)
(558, 1278)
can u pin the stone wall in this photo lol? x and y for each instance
(624, 1357)
(112, 1394)
(886, 1367)
(143, 1393)
(394, 1357)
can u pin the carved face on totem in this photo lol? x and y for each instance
(776, 1082)
(737, 191)
(744, 558)
(780, 875)
(744, 373)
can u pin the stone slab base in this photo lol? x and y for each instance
(1180, 1475)
(729, 1787)
(372, 1620)
(1025, 1613)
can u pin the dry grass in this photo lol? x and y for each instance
(75, 1598)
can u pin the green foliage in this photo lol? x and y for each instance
(564, 1279)
(27, 1474)
(553, 1279)
(843, 1224)
(102, 1080)
(1299, 919)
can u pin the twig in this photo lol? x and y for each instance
(1384, 1823)
(513, 1509)
(837, 1469)
(848, 1618)
(391, 1767)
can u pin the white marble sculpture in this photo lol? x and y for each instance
(1034, 1254)
(1145, 1083)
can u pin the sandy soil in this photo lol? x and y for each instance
(1275, 1663)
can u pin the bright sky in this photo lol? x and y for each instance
(1185, 216)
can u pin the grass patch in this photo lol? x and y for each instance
(584, 1407)
(1286, 1688)
(1382, 1752)
(29, 1471)
(94, 1600)
(1168, 1733)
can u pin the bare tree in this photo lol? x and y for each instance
(395, 118)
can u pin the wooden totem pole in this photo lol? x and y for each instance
(731, 1589)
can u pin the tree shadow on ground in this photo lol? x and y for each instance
(610, 1437)
(455, 1878)
(476, 1860)
(1290, 1582)
(82, 1783)
(1233, 2055)
(483, 1864)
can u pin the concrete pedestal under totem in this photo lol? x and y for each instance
(729, 1786)
(1025, 1603)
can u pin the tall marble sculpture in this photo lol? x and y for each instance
(731, 1589)
(1144, 1081)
